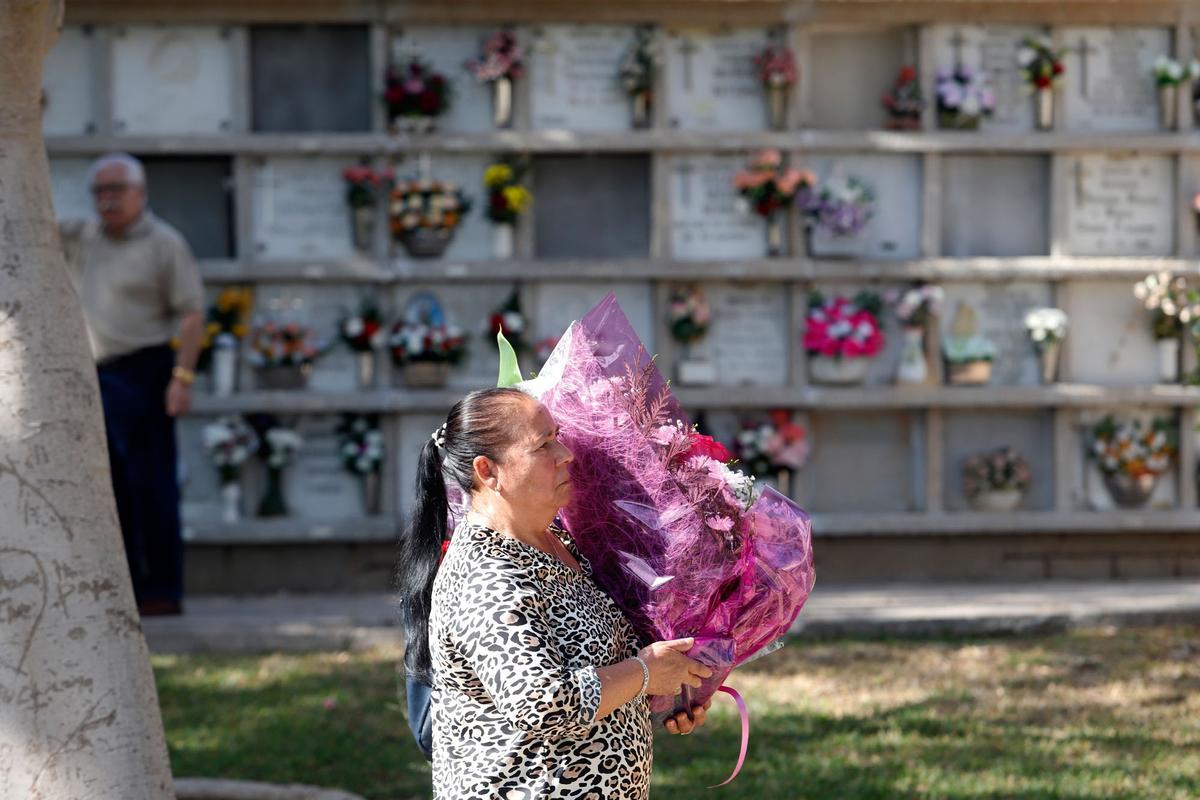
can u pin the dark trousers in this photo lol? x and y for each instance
(141, 452)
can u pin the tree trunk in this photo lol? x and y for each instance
(78, 710)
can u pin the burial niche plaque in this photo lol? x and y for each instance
(711, 79)
(1119, 205)
(574, 73)
(1108, 84)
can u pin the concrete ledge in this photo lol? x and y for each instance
(217, 789)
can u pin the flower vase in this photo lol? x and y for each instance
(1130, 491)
(282, 377)
(362, 227)
(693, 370)
(502, 103)
(273, 503)
(832, 371)
(426, 242)
(1048, 362)
(426, 374)
(1167, 358)
(1043, 108)
(783, 482)
(224, 370)
(372, 492)
(365, 369)
(231, 502)
(996, 500)
(969, 373)
(956, 121)
(503, 235)
(914, 368)
(639, 111)
(775, 222)
(777, 106)
(1168, 107)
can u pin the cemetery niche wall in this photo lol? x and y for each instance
(852, 293)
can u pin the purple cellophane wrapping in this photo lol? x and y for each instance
(666, 537)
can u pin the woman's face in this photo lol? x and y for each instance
(532, 472)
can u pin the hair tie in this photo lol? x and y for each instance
(439, 436)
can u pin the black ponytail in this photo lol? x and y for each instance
(477, 425)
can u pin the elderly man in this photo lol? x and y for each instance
(139, 286)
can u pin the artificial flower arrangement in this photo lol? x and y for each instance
(915, 306)
(289, 345)
(1040, 64)
(230, 442)
(362, 445)
(509, 319)
(636, 76)
(995, 481)
(416, 95)
(225, 324)
(841, 206)
(1169, 72)
(364, 184)
(968, 355)
(1173, 306)
(904, 103)
(688, 314)
(278, 445)
(840, 328)
(1047, 327)
(423, 215)
(776, 69)
(1132, 455)
(417, 342)
(363, 330)
(767, 448)
(501, 63)
(767, 188)
(508, 199)
(674, 535)
(964, 96)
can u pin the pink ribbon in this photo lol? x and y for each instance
(741, 704)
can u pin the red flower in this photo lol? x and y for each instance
(429, 102)
(907, 74)
(1057, 68)
(701, 445)
(1042, 82)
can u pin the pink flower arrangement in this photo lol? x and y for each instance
(776, 66)
(768, 187)
(501, 58)
(840, 328)
(770, 447)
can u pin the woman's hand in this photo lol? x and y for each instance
(680, 723)
(670, 668)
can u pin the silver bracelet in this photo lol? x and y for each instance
(645, 677)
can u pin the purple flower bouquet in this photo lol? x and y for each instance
(674, 535)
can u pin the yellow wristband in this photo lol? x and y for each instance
(183, 375)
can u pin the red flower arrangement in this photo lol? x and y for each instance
(842, 328)
(768, 187)
(776, 66)
(413, 89)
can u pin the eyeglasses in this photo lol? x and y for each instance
(110, 188)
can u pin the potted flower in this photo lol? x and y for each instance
(363, 333)
(224, 328)
(1131, 456)
(278, 446)
(1047, 327)
(838, 209)
(688, 318)
(1169, 75)
(1041, 69)
(964, 96)
(415, 96)
(424, 214)
(636, 76)
(776, 68)
(767, 189)
(283, 354)
(773, 449)
(501, 63)
(915, 308)
(995, 481)
(841, 336)
(230, 442)
(1171, 305)
(363, 185)
(426, 351)
(508, 199)
(362, 450)
(904, 102)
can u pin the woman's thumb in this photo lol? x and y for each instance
(682, 645)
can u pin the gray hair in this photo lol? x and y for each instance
(135, 173)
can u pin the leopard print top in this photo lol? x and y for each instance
(516, 637)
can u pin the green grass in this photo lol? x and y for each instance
(1102, 713)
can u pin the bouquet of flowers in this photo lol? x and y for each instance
(363, 332)
(362, 448)
(1041, 65)
(501, 58)
(420, 341)
(507, 198)
(1046, 326)
(414, 90)
(673, 533)
(904, 102)
(427, 205)
(229, 442)
(836, 327)
(279, 445)
(688, 314)
(363, 184)
(636, 73)
(915, 306)
(963, 96)
(225, 323)
(1169, 72)
(776, 67)
(1171, 304)
(508, 318)
(767, 187)
(1001, 470)
(1133, 448)
(282, 345)
(768, 447)
(842, 206)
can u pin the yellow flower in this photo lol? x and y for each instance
(212, 329)
(239, 330)
(497, 175)
(518, 198)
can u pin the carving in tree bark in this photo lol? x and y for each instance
(78, 709)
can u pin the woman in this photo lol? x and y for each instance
(539, 685)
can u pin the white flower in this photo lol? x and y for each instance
(1026, 56)
(353, 327)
